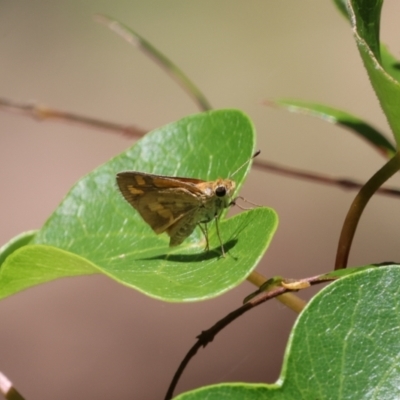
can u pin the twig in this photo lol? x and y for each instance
(357, 207)
(8, 390)
(208, 335)
(290, 300)
(41, 112)
(344, 183)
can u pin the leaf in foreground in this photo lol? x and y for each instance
(345, 345)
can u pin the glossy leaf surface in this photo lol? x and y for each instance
(98, 228)
(345, 345)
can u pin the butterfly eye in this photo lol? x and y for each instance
(220, 191)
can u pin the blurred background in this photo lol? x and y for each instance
(91, 338)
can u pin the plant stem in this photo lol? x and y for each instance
(289, 299)
(208, 335)
(133, 38)
(357, 207)
(42, 113)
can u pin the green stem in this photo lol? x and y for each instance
(290, 300)
(172, 69)
(357, 208)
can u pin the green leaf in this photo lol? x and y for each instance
(345, 345)
(365, 17)
(34, 264)
(342, 272)
(15, 243)
(390, 63)
(342, 7)
(367, 14)
(96, 224)
(342, 118)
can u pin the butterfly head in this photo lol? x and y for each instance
(223, 189)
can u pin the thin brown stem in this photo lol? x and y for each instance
(344, 183)
(357, 207)
(41, 112)
(208, 335)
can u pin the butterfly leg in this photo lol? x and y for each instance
(205, 233)
(219, 236)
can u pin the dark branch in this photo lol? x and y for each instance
(344, 183)
(39, 112)
(208, 335)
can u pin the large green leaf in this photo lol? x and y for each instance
(342, 118)
(345, 345)
(365, 19)
(101, 232)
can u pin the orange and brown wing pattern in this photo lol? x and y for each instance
(161, 201)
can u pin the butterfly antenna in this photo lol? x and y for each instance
(253, 156)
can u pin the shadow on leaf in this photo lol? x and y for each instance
(203, 256)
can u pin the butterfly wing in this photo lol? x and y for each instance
(166, 204)
(182, 228)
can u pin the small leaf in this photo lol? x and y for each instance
(15, 243)
(101, 232)
(345, 345)
(342, 272)
(365, 16)
(342, 118)
(390, 63)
